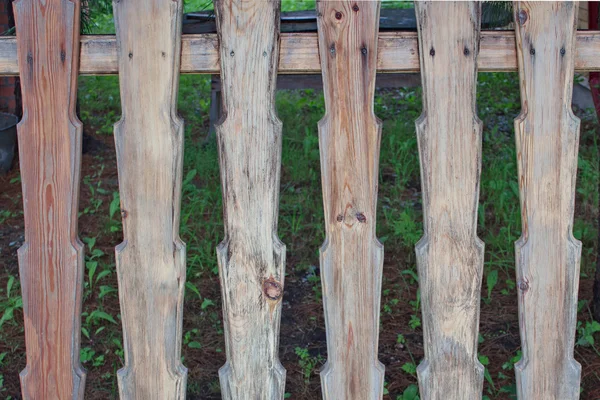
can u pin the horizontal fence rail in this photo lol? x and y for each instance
(299, 54)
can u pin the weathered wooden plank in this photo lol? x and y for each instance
(450, 255)
(51, 260)
(351, 257)
(299, 53)
(547, 254)
(149, 146)
(251, 257)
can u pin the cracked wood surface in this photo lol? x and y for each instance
(351, 257)
(51, 259)
(450, 255)
(547, 254)
(149, 145)
(251, 257)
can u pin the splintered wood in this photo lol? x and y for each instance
(547, 254)
(51, 259)
(351, 257)
(149, 145)
(450, 255)
(251, 257)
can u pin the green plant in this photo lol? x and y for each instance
(586, 334)
(307, 362)
(11, 303)
(410, 393)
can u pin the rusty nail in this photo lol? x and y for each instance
(332, 49)
(340, 218)
(466, 51)
(364, 51)
(432, 52)
(562, 51)
(338, 15)
(522, 15)
(532, 51)
(361, 217)
(123, 213)
(523, 285)
(232, 53)
(130, 55)
(355, 7)
(272, 289)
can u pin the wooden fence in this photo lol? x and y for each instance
(148, 52)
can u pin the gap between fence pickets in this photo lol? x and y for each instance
(398, 52)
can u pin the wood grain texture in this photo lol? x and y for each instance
(351, 257)
(547, 254)
(299, 53)
(251, 257)
(450, 255)
(51, 260)
(149, 144)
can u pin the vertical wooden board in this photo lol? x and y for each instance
(251, 257)
(450, 255)
(351, 257)
(547, 254)
(149, 144)
(51, 260)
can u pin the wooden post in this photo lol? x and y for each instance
(51, 260)
(547, 255)
(351, 257)
(149, 144)
(251, 257)
(450, 255)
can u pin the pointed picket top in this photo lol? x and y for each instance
(51, 259)
(351, 257)
(149, 144)
(450, 255)
(251, 257)
(547, 254)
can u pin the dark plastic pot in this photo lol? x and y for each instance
(8, 140)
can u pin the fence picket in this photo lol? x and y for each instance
(251, 257)
(547, 255)
(351, 256)
(51, 260)
(149, 145)
(450, 255)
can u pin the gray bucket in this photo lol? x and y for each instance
(8, 140)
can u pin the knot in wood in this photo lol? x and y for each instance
(361, 217)
(523, 285)
(338, 15)
(355, 8)
(522, 16)
(272, 289)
